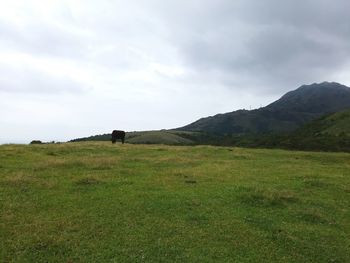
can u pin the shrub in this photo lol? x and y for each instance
(36, 142)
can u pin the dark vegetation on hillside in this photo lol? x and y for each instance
(94, 138)
(40, 142)
(309, 118)
(329, 133)
(36, 142)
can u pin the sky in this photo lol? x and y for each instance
(76, 68)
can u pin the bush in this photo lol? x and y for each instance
(36, 142)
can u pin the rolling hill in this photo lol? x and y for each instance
(337, 124)
(301, 119)
(290, 112)
(158, 137)
(330, 132)
(150, 137)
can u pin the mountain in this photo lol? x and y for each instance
(328, 133)
(336, 124)
(290, 112)
(301, 119)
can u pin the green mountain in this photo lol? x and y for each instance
(336, 124)
(294, 121)
(330, 132)
(290, 112)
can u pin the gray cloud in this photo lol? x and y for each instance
(275, 43)
(149, 57)
(271, 43)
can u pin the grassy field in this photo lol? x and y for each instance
(98, 202)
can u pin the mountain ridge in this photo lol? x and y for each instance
(291, 111)
(330, 132)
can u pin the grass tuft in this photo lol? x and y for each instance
(268, 198)
(313, 216)
(88, 181)
(190, 181)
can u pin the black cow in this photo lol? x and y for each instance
(118, 135)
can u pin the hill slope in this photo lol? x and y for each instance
(291, 111)
(149, 137)
(337, 124)
(331, 132)
(157, 137)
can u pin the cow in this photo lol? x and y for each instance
(118, 135)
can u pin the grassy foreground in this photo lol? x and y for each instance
(97, 202)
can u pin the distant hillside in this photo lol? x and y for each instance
(158, 137)
(286, 123)
(337, 124)
(328, 133)
(290, 112)
(331, 132)
(155, 137)
(100, 137)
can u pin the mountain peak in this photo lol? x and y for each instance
(292, 110)
(325, 97)
(324, 85)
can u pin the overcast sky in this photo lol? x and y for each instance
(76, 68)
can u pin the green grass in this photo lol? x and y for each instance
(337, 123)
(158, 137)
(98, 202)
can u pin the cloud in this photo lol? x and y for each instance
(164, 63)
(272, 44)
